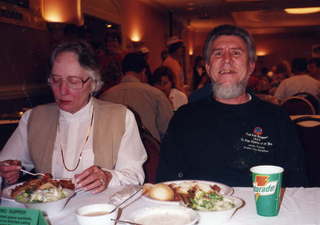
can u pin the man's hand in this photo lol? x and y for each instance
(10, 170)
(93, 179)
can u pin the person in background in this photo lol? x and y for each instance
(176, 51)
(145, 52)
(300, 82)
(314, 68)
(281, 73)
(148, 102)
(110, 61)
(221, 137)
(200, 77)
(96, 143)
(164, 55)
(201, 93)
(163, 80)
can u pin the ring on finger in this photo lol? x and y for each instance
(102, 182)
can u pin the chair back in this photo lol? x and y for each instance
(309, 133)
(312, 99)
(298, 105)
(152, 146)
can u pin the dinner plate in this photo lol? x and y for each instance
(164, 215)
(224, 189)
(6, 192)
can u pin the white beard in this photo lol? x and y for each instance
(229, 91)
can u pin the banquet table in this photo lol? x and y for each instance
(300, 206)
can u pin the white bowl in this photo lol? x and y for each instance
(164, 215)
(96, 214)
(219, 217)
(51, 208)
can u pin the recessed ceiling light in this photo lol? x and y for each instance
(108, 25)
(305, 10)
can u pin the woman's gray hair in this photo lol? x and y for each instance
(86, 59)
(232, 30)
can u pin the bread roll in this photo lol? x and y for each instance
(161, 192)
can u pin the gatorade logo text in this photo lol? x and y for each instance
(262, 186)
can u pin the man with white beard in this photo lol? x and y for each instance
(221, 137)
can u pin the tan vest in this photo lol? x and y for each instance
(108, 129)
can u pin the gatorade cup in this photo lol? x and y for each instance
(267, 187)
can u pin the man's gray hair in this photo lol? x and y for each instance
(86, 59)
(232, 30)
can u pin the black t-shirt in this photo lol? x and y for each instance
(213, 141)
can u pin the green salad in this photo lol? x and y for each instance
(44, 195)
(209, 201)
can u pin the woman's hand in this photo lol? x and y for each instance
(10, 170)
(93, 179)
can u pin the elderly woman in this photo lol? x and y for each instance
(96, 143)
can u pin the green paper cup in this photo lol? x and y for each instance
(267, 187)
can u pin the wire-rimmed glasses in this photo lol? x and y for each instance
(73, 82)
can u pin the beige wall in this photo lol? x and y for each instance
(136, 19)
(144, 21)
(286, 47)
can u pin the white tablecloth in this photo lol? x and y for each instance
(300, 206)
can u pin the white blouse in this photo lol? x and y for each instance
(71, 138)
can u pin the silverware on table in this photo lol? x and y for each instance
(127, 199)
(125, 221)
(71, 196)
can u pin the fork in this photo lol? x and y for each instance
(26, 171)
(33, 174)
(125, 221)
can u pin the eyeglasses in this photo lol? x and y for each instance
(72, 81)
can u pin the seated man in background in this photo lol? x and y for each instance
(96, 143)
(220, 138)
(148, 102)
(314, 67)
(163, 80)
(300, 82)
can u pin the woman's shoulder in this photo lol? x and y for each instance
(45, 108)
(102, 104)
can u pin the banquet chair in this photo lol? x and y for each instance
(152, 146)
(312, 99)
(298, 105)
(309, 132)
(6, 131)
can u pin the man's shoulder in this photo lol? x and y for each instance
(201, 93)
(265, 107)
(196, 107)
(145, 89)
(299, 78)
(177, 93)
(170, 61)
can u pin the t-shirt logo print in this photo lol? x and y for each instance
(256, 140)
(258, 131)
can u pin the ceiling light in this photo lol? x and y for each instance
(61, 11)
(305, 10)
(261, 53)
